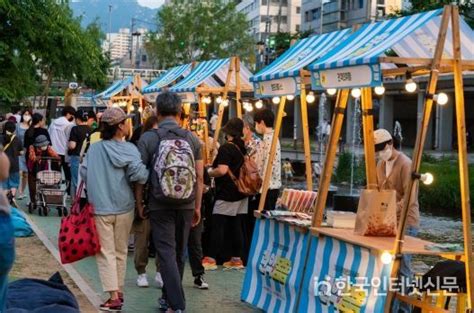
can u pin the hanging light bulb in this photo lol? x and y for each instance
(276, 100)
(356, 93)
(132, 108)
(115, 105)
(249, 108)
(225, 102)
(259, 104)
(219, 100)
(410, 85)
(379, 90)
(140, 109)
(207, 100)
(386, 257)
(290, 97)
(310, 98)
(427, 178)
(331, 91)
(441, 98)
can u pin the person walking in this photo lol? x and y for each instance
(21, 128)
(112, 165)
(264, 120)
(174, 158)
(394, 173)
(13, 148)
(230, 203)
(76, 138)
(288, 171)
(59, 131)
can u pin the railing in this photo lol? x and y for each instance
(116, 73)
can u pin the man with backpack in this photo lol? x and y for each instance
(173, 156)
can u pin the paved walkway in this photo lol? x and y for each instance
(223, 295)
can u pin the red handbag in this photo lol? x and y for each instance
(78, 236)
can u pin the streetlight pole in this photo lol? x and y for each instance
(110, 30)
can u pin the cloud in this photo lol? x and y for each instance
(151, 3)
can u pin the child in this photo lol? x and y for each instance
(13, 148)
(288, 170)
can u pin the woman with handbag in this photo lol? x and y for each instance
(112, 164)
(230, 203)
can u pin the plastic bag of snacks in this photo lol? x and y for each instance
(377, 213)
(297, 200)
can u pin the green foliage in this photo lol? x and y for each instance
(41, 40)
(466, 8)
(199, 30)
(344, 168)
(281, 41)
(444, 193)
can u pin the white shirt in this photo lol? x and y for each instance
(275, 180)
(59, 132)
(213, 122)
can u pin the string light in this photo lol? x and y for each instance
(259, 104)
(310, 97)
(356, 92)
(379, 90)
(410, 85)
(290, 97)
(386, 257)
(219, 100)
(331, 91)
(427, 178)
(276, 100)
(207, 100)
(441, 98)
(225, 103)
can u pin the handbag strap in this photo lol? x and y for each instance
(77, 199)
(8, 144)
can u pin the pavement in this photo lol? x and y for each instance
(223, 295)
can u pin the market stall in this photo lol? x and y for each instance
(170, 77)
(427, 43)
(277, 254)
(215, 78)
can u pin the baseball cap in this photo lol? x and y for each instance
(381, 138)
(114, 115)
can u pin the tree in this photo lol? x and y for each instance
(466, 8)
(199, 30)
(281, 41)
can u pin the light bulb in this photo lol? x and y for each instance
(276, 100)
(441, 98)
(219, 100)
(250, 108)
(140, 109)
(132, 108)
(245, 104)
(207, 100)
(115, 105)
(410, 85)
(310, 98)
(259, 104)
(386, 257)
(356, 92)
(290, 97)
(427, 178)
(331, 91)
(225, 103)
(379, 90)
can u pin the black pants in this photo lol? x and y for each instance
(67, 172)
(248, 224)
(170, 230)
(221, 223)
(195, 250)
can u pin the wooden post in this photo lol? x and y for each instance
(462, 151)
(221, 105)
(306, 142)
(418, 149)
(368, 129)
(337, 119)
(271, 157)
(237, 88)
(202, 115)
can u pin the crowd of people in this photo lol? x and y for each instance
(156, 185)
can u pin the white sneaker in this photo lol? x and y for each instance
(142, 281)
(158, 280)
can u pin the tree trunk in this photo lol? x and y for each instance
(46, 87)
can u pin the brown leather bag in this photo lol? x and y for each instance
(249, 182)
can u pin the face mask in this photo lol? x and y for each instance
(386, 154)
(44, 148)
(27, 118)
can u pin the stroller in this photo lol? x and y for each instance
(50, 190)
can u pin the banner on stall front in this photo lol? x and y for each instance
(342, 277)
(348, 77)
(277, 87)
(275, 267)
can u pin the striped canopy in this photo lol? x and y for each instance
(168, 78)
(210, 73)
(413, 36)
(300, 55)
(115, 88)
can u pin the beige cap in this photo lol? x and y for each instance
(114, 115)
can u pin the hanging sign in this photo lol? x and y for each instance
(348, 77)
(187, 97)
(277, 87)
(275, 266)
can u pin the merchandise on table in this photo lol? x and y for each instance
(297, 200)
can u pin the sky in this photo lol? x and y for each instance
(151, 3)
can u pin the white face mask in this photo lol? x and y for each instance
(386, 153)
(44, 148)
(27, 118)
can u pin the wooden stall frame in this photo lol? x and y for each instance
(305, 128)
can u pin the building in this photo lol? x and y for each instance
(322, 16)
(271, 16)
(118, 44)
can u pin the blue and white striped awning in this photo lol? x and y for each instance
(168, 78)
(299, 55)
(115, 88)
(355, 62)
(199, 75)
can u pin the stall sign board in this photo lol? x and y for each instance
(275, 267)
(342, 277)
(187, 97)
(348, 77)
(277, 87)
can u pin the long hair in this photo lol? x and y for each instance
(35, 120)
(149, 122)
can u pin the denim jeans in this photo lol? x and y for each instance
(407, 274)
(7, 256)
(75, 162)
